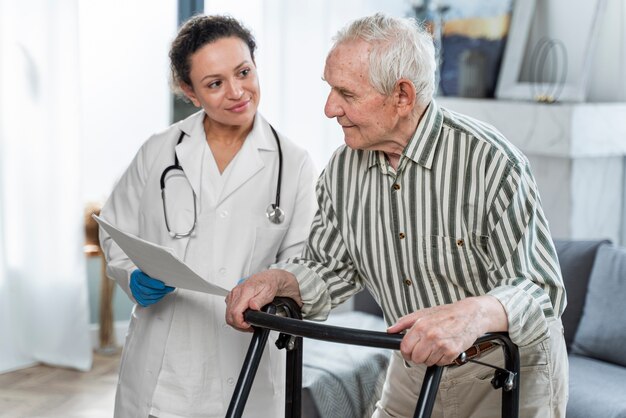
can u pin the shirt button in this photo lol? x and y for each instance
(231, 381)
(408, 282)
(222, 271)
(396, 186)
(460, 242)
(224, 213)
(402, 236)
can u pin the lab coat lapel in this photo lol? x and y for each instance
(246, 164)
(189, 153)
(191, 150)
(248, 161)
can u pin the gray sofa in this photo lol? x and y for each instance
(594, 273)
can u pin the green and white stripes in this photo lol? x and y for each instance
(461, 217)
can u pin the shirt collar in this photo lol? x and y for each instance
(421, 147)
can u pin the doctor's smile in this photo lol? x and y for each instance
(239, 107)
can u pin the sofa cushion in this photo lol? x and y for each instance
(596, 389)
(576, 260)
(601, 333)
(365, 302)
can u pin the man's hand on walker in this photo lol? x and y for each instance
(439, 334)
(257, 291)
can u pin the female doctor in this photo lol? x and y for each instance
(230, 196)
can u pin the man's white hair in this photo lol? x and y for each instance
(401, 48)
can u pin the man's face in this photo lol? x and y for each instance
(365, 115)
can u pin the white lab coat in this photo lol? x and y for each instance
(239, 241)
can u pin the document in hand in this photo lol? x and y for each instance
(159, 262)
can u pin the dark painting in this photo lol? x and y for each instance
(473, 37)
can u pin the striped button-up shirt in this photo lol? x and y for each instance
(460, 217)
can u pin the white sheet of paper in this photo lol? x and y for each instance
(159, 262)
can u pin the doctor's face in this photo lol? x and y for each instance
(224, 82)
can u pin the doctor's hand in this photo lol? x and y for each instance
(257, 291)
(439, 334)
(147, 290)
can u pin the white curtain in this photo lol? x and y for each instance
(124, 73)
(43, 294)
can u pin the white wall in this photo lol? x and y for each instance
(570, 21)
(124, 67)
(124, 83)
(608, 71)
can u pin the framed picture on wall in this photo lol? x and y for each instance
(550, 48)
(473, 37)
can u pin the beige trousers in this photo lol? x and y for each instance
(466, 391)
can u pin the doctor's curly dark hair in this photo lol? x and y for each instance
(195, 33)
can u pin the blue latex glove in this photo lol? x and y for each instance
(147, 290)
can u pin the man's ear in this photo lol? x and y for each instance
(189, 93)
(406, 96)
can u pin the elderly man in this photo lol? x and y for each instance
(439, 216)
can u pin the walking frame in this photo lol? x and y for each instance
(283, 315)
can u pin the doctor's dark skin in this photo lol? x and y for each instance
(432, 335)
(224, 83)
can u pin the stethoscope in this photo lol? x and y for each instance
(273, 212)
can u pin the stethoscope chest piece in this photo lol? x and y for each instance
(275, 214)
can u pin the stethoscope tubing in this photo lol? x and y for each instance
(279, 180)
(274, 213)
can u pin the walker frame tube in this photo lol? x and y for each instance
(292, 330)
